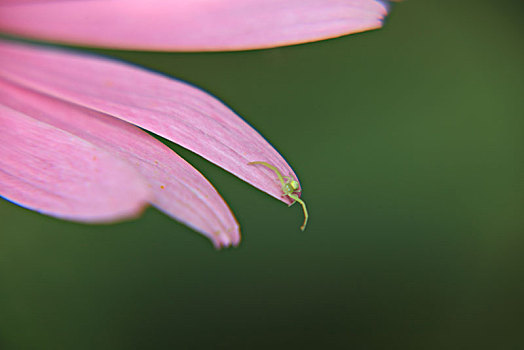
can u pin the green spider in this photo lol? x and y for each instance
(290, 187)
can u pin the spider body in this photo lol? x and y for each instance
(290, 188)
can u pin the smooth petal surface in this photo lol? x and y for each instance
(54, 172)
(172, 185)
(193, 25)
(169, 108)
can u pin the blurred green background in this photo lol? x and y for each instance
(409, 145)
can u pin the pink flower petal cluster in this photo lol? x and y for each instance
(71, 138)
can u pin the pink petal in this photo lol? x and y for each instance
(175, 186)
(197, 25)
(54, 172)
(169, 108)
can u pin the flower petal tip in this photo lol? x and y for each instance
(221, 239)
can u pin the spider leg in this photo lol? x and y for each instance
(282, 183)
(306, 215)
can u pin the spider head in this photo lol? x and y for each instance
(291, 187)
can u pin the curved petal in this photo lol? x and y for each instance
(196, 25)
(175, 186)
(169, 108)
(54, 172)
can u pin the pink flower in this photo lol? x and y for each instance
(71, 144)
